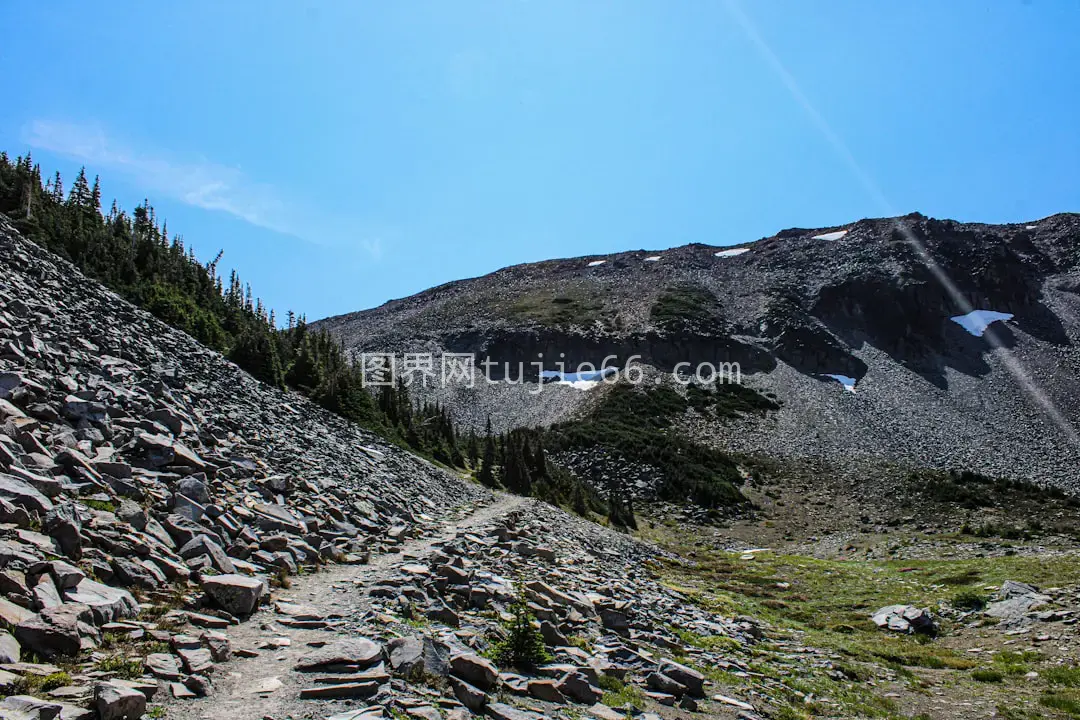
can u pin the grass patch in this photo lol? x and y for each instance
(686, 307)
(1066, 676)
(968, 600)
(30, 684)
(617, 694)
(123, 667)
(101, 505)
(552, 310)
(637, 424)
(1068, 703)
(987, 675)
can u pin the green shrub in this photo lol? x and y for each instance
(968, 600)
(524, 645)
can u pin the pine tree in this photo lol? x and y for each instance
(57, 189)
(80, 191)
(95, 195)
(486, 475)
(473, 448)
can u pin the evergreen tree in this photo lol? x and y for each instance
(473, 448)
(486, 475)
(80, 191)
(57, 189)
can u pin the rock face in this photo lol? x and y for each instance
(858, 301)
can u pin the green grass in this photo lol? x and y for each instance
(638, 424)
(618, 695)
(1066, 702)
(552, 310)
(968, 600)
(101, 505)
(827, 604)
(987, 675)
(1015, 663)
(686, 307)
(1065, 676)
(123, 667)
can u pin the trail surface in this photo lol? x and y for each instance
(242, 685)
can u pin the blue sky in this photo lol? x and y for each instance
(345, 153)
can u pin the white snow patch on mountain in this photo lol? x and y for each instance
(733, 252)
(595, 263)
(653, 258)
(831, 235)
(976, 321)
(847, 382)
(579, 380)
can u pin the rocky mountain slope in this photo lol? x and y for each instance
(808, 315)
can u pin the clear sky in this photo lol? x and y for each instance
(345, 153)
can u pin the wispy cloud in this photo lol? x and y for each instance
(197, 182)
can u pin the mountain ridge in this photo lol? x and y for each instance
(794, 310)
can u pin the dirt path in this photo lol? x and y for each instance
(339, 595)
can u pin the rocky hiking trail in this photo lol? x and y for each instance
(266, 685)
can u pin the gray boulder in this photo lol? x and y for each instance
(353, 653)
(24, 707)
(235, 594)
(117, 702)
(9, 649)
(689, 677)
(576, 686)
(417, 658)
(55, 631)
(23, 494)
(203, 545)
(475, 670)
(905, 619)
(106, 603)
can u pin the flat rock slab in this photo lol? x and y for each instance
(357, 653)
(342, 690)
(265, 686)
(297, 611)
(502, 711)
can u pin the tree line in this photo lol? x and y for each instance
(136, 256)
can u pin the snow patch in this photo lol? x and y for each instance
(831, 235)
(733, 252)
(578, 380)
(595, 263)
(654, 258)
(847, 382)
(976, 321)
(1030, 227)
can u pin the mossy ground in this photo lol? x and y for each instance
(857, 670)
